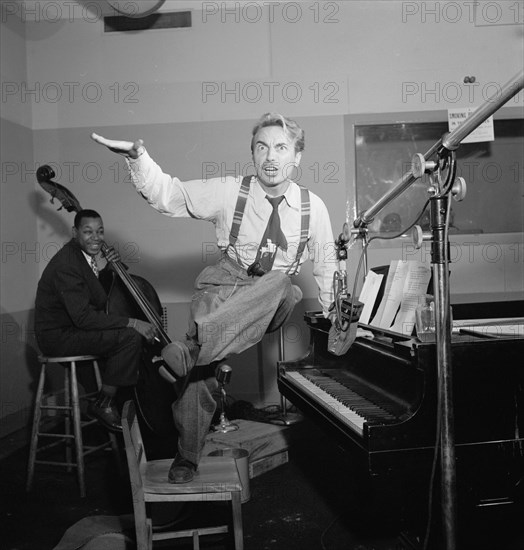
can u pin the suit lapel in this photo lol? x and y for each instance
(97, 292)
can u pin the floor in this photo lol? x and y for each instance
(314, 502)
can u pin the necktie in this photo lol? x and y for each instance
(273, 232)
(273, 237)
(94, 267)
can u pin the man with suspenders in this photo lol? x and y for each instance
(266, 226)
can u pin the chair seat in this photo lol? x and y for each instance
(205, 481)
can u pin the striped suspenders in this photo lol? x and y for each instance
(305, 211)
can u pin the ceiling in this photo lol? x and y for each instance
(41, 10)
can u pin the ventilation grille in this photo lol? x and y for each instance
(164, 318)
(172, 20)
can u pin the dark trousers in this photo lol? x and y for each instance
(119, 349)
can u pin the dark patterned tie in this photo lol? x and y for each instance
(94, 267)
(273, 237)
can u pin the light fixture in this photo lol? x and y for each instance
(135, 8)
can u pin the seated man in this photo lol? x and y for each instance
(266, 226)
(70, 316)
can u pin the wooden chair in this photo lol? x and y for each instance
(71, 411)
(217, 479)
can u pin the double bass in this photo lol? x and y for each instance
(132, 296)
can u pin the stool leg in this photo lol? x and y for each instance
(116, 453)
(77, 428)
(67, 421)
(237, 520)
(112, 436)
(196, 541)
(35, 428)
(98, 378)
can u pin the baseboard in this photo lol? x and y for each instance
(14, 433)
(14, 422)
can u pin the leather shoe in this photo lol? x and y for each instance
(179, 358)
(104, 410)
(181, 470)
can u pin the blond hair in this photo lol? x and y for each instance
(293, 131)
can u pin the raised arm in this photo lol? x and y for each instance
(129, 149)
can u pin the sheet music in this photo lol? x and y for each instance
(415, 286)
(392, 299)
(368, 294)
(377, 319)
(407, 281)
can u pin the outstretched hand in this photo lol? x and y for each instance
(129, 149)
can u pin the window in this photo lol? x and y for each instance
(384, 145)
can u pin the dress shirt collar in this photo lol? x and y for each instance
(88, 259)
(291, 196)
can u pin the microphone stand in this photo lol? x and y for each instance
(444, 167)
(223, 377)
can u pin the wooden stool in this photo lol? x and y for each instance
(71, 410)
(217, 479)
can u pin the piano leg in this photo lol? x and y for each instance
(287, 419)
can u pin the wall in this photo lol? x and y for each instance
(20, 244)
(193, 96)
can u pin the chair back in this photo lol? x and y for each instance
(136, 461)
(217, 479)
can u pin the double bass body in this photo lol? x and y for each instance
(153, 395)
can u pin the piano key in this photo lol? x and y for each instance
(361, 404)
(352, 419)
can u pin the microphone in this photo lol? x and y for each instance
(223, 375)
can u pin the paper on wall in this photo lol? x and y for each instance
(483, 132)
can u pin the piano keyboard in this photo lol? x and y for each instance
(334, 406)
(341, 401)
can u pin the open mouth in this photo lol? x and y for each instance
(270, 171)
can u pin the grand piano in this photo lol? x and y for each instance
(380, 402)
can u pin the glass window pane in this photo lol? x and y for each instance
(493, 172)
